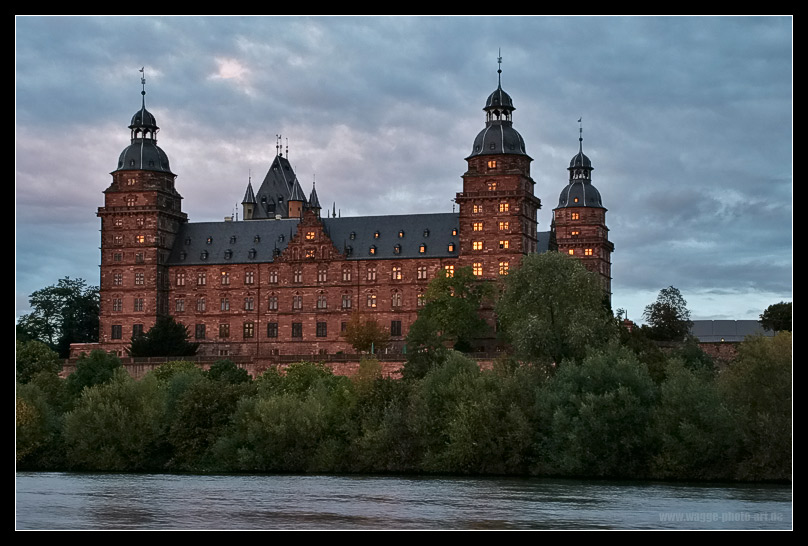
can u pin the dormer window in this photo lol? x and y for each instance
(422, 248)
(401, 234)
(188, 241)
(352, 235)
(257, 239)
(426, 233)
(376, 235)
(251, 254)
(454, 232)
(372, 250)
(451, 247)
(228, 254)
(397, 249)
(209, 240)
(280, 238)
(348, 250)
(183, 255)
(232, 239)
(204, 255)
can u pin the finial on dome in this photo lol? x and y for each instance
(499, 68)
(580, 135)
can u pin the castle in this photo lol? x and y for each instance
(286, 279)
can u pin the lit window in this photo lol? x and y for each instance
(454, 232)
(322, 301)
(503, 268)
(298, 275)
(492, 186)
(451, 247)
(140, 222)
(249, 304)
(249, 330)
(118, 222)
(273, 303)
(575, 200)
(199, 331)
(180, 279)
(401, 234)
(130, 201)
(503, 226)
(477, 209)
(477, 245)
(140, 279)
(422, 248)
(346, 301)
(200, 305)
(225, 278)
(140, 239)
(492, 164)
(371, 273)
(372, 250)
(587, 252)
(272, 329)
(575, 233)
(117, 279)
(297, 329)
(371, 300)
(179, 305)
(504, 207)
(309, 253)
(224, 304)
(449, 270)
(117, 304)
(396, 273)
(118, 240)
(477, 226)
(422, 272)
(224, 330)
(395, 299)
(130, 182)
(576, 216)
(572, 252)
(477, 268)
(297, 302)
(309, 235)
(138, 304)
(397, 249)
(249, 277)
(376, 235)
(346, 273)
(322, 329)
(421, 301)
(503, 244)
(201, 279)
(273, 277)
(322, 275)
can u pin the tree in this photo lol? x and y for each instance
(552, 309)
(64, 313)
(97, 368)
(34, 357)
(365, 333)
(166, 338)
(668, 317)
(777, 317)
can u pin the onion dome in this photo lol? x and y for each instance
(499, 136)
(580, 192)
(143, 154)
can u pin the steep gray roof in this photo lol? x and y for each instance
(272, 197)
(727, 330)
(249, 195)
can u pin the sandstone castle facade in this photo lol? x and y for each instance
(286, 279)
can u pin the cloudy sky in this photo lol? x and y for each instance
(687, 121)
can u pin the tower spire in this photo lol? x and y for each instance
(499, 68)
(580, 136)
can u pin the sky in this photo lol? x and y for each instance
(688, 122)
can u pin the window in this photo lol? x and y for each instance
(232, 239)
(228, 254)
(225, 304)
(249, 303)
(201, 279)
(179, 305)
(309, 253)
(249, 330)
(492, 163)
(322, 275)
(117, 331)
(199, 331)
(395, 328)
(117, 257)
(140, 279)
(477, 209)
(576, 216)
(249, 277)
(587, 252)
(372, 250)
(224, 330)
(342, 327)
(454, 232)
(575, 233)
(401, 234)
(272, 329)
(225, 278)
(118, 240)
(503, 226)
(397, 249)
(572, 252)
(180, 279)
(504, 244)
(449, 270)
(322, 301)
(138, 258)
(309, 235)
(396, 272)
(477, 245)
(426, 233)
(371, 300)
(422, 248)
(346, 274)
(130, 201)
(395, 299)
(346, 301)
(504, 207)
(421, 301)
(117, 279)
(138, 304)
(140, 222)
(273, 277)
(575, 200)
(503, 268)
(376, 235)
(492, 186)
(322, 329)
(273, 303)
(297, 329)
(140, 239)
(297, 276)
(137, 330)
(297, 302)
(130, 182)
(451, 247)
(200, 305)
(477, 226)
(117, 304)
(477, 268)
(371, 273)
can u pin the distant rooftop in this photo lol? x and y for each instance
(727, 330)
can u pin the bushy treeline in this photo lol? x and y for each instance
(623, 410)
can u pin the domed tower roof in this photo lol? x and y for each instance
(499, 136)
(143, 154)
(579, 191)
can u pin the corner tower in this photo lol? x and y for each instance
(140, 218)
(497, 205)
(580, 220)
